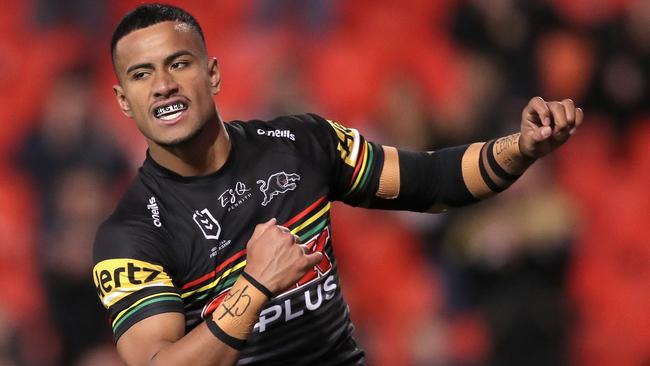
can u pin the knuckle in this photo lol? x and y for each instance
(276, 231)
(297, 249)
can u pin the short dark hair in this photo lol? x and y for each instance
(149, 14)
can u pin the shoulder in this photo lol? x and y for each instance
(135, 229)
(282, 127)
(303, 131)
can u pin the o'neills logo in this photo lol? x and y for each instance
(277, 133)
(155, 212)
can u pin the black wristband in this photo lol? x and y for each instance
(224, 337)
(257, 285)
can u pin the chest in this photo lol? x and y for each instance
(211, 220)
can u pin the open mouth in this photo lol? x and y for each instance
(170, 112)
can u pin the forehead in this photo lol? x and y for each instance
(154, 43)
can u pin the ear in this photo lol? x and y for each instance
(122, 102)
(215, 76)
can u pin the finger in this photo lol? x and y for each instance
(579, 117)
(305, 248)
(296, 239)
(313, 259)
(538, 112)
(559, 118)
(283, 228)
(570, 110)
(541, 133)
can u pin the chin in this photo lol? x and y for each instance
(180, 140)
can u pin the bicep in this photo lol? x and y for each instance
(420, 181)
(143, 340)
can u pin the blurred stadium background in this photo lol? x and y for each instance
(554, 272)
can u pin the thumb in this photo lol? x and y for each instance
(541, 133)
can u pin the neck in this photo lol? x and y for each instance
(204, 154)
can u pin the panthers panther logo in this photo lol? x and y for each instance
(277, 184)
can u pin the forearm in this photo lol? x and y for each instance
(218, 343)
(198, 347)
(451, 177)
(491, 167)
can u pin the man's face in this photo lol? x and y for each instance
(167, 83)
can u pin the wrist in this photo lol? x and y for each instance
(233, 319)
(509, 155)
(258, 286)
(526, 154)
(259, 278)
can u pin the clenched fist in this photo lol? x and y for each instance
(545, 126)
(275, 257)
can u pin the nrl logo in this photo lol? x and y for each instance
(207, 223)
(277, 184)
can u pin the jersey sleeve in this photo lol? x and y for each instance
(130, 275)
(370, 175)
(354, 163)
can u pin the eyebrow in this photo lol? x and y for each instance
(168, 60)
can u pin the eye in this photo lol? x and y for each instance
(179, 65)
(139, 75)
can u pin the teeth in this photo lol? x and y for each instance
(170, 117)
(175, 108)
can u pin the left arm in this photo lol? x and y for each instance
(456, 176)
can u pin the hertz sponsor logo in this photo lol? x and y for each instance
(117, 278)
(349, 140)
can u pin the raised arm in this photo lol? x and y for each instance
(456, 176)
(275, 262)
(371, 175)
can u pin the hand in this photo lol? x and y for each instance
(275, 257)
(545, 126)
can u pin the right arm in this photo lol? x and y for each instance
(275, 262)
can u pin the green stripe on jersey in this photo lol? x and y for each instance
(148, 302)
(316, 229)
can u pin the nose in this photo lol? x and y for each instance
(164, 85)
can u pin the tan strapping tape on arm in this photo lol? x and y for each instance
(240, 309)
(508, 155)
(472, 173)
(389, 180)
